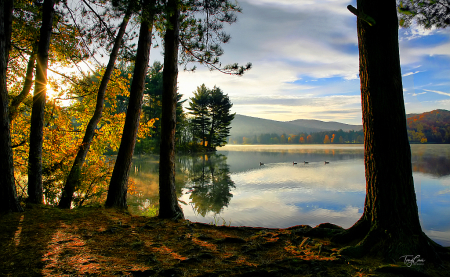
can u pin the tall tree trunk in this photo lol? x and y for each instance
(35, 193)
(14, 107)
(117, 193)
(73, 180)
(168, 201)
(8, 194)
(389, 226)
(211, 131)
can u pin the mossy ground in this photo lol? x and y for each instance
(44, 241)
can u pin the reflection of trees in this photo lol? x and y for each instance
(210, 183)
(438, 166)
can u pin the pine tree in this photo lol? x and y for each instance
(199, 109)
(219, 110)
(389, 226)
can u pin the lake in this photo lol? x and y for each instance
(231, 187)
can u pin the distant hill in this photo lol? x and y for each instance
(431, 127)
(250, 126)
(325, 125)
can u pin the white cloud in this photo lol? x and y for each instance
(415, 94)
(438, 92)
(335, 6)
(410, 73)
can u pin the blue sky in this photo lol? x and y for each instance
(305, 63)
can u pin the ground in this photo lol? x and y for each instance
(46, 241)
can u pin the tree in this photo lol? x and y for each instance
(212, 116)
(35, 194)
(201, 34)
(389, 226)
(326, 139)
(168, 200)
(75, 173)
(427, 13)
(8, 194)
(199, 109)
(117, 193)
(221, 117)
(152, 108)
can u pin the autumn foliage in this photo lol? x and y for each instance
(66, 118)
(432, 127)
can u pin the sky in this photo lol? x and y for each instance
(305, 63)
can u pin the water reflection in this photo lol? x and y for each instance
(209, 184)
(232, 185)
(204, 178)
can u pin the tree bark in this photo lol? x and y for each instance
(73, 180)
(35, 190)
(8, 194)
(168, 201)
(389, 226)
(117, 193)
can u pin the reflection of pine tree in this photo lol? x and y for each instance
(210, 183)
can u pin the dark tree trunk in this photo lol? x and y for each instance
(389, 226)
(13, 109)
(168, 201)
(8, 194)
(35, 193)
(211, 132)
(117, 193)
(73, 180)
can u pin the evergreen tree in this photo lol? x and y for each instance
(117, 193)
(8, 194)
(212, 117)
(168, 201)
(389, 226)
(219, 109)
(199, 109)
(35, 189)
(427, 13)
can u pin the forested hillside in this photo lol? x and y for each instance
(431, 127)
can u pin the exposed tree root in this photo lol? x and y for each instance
(390, 245)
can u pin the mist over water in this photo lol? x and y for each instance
(231, 186)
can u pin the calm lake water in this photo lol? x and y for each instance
(231, 186)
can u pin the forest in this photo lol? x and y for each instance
(52, 147)
(429, 127)
(63, 134)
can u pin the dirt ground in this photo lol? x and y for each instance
(45, 241)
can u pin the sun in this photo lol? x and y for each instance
(50, 92)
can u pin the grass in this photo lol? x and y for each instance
(45, 241)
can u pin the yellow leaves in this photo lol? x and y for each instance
(145, 127)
